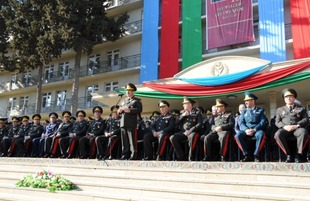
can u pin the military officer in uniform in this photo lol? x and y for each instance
(252, 124)
(190, 122)
(7, 139)
(52, 142)
(112, 133)
(36, 129)
(3, 131)
(292, 120)
(22, 131)
(38, 143)
(161, 129)
(69, 144)
(129, 110)
(96, 128)
(221, 127)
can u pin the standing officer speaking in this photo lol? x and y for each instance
(129, 110)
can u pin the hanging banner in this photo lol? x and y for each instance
(228, 22)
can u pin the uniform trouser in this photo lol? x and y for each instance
(242, 137)
(5, 145)
(113, 139)
(23, 146)
(102, 145)
(148, 138)
(87, 146)
(282, 136)
(177, 141)
(209, 139)
(38, 146)
(48, 144)
(12, 149)
(129, 142)
(68, 145)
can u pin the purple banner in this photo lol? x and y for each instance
(228, 22)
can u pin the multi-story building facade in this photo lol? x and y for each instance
(112, 64)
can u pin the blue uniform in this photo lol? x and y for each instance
(252, 118)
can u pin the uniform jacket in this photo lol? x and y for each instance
(164, 123)
(3, 132)
(225, 121)
(51, 128)
(23, 130)
(298, 116)
(13, 131)
(253, 118)
(112, 125)
(97, 127)
(191, 122)
(64, 129)
(130, 119)
(35, 131)
(80, 128)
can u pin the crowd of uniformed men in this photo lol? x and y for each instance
(187, 135)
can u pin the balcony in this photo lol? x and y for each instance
(133, 27)
(18, 84)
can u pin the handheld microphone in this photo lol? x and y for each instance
(120, 94)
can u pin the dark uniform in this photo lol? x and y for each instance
(295, 115)
(191, 122)
(38, 143)
(69, 144)
(163, 124)
(52, 143)
(224, 120)
(22, 132)
(3, 132)
(251, 118)
(128, 124)
(7, 139)
(107, 142)
(87, 143)
(24, 145)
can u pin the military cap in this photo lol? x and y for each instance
(53, 114)
(36, 117)
(289, 92)
(154, 114)
(98, 109)
(208, 112)
(249, 96)
(66, 114)
(15, 119)
(3, 119)
(187, 100)
(175, 112)
(72, 118)
(219, 102)
(80, 113)
(163, 103)
(114, 108)
(25, 118)
(130, 86)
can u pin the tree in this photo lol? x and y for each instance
(87, 25)
(35, 37)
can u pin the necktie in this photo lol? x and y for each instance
(291, 108)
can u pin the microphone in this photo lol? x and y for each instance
(120, 94)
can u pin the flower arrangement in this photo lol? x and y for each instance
(46, 179)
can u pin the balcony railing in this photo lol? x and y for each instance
(133, 27)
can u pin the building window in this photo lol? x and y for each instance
(49, 70)
(111, 86)
(89, 91)
(12, 103)
(23, 102)
(26, 78)
(61, 97)
(94, 61)
(113, 58)
(64, 69)
(46, 100)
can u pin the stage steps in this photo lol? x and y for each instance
(158, 180)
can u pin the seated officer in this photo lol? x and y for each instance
(3, 131)
(112, 134)
(221, 127)
(190, 122)
(292, 120)
(8, 138)
(252, 124)
(161, 130)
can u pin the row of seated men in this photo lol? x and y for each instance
(171, 135)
